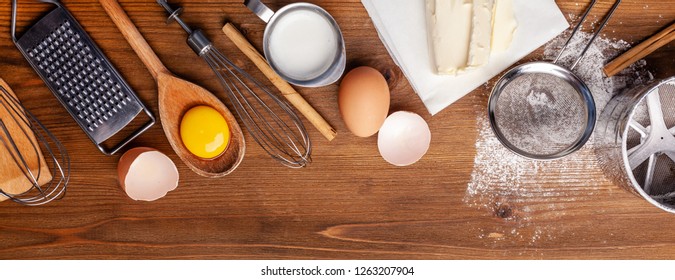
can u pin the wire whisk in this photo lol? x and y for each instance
(44, 185)
(287, 143)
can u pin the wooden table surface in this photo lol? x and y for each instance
(349, 203)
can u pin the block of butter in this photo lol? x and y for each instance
(504, 25)
(481, 32)
(462, 33)
(402, 25)
(449, 33)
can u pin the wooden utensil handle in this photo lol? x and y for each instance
(286, 90)
(134, 37)
(13, 180)
(640, 51)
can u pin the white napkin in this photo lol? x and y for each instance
(401, 25)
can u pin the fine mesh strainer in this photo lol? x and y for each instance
(543, 111)
(637, 131)
(80, 77)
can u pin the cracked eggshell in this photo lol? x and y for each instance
(147, 174)
(404, 138)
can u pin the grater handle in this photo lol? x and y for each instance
(134, 37)
(134, 135)
(12, 24)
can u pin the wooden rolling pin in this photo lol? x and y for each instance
(640, 51)
(286, 90)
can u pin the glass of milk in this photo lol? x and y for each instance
(302, 43)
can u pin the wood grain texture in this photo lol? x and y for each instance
(133, 37)
(638, 52)
(349, 203)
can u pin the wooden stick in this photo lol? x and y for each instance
(134, 37)
(286, 90)
(640, 51)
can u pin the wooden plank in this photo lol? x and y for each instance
(349, 203)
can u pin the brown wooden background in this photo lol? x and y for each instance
(349, 204)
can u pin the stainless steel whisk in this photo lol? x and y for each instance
(55, 158)
(287, 143)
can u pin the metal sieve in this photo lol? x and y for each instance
(542, 110)
(637, 142)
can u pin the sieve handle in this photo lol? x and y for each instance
(134, 37)
(595, 34)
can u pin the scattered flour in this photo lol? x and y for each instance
(513, 188)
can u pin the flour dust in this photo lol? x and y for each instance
(520, 190)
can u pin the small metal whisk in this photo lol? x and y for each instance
(56, 158)
(287, 143)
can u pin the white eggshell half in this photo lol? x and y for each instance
(151, 175)
(404, 138)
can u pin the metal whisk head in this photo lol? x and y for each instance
(29, 160)
(274, 126)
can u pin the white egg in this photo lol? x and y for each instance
(147, 174)
(404, 138)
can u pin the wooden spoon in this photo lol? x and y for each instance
(176, 96)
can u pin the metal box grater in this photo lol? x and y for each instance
(81, 77)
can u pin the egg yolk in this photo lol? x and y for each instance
(204, 132)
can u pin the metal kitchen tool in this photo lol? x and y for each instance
(27, 176)
(331, 71)
(268, 123)
(636, 142)
(543, 111)
(80, 76)
(287, 91)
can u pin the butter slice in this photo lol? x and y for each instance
(464, 33)
(481, 33)
(449, 30)
(505, 25)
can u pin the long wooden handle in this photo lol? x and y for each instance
(134, 37)
(640, 51)
(286, 90)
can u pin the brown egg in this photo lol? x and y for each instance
(364, 101)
